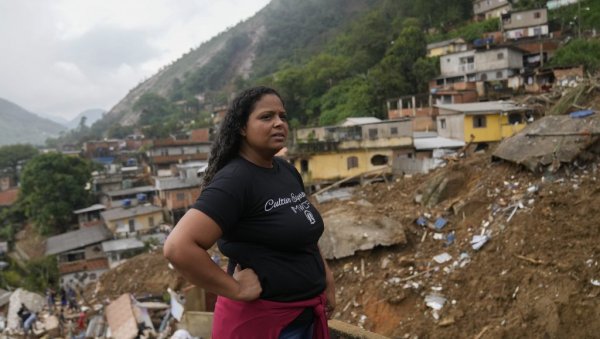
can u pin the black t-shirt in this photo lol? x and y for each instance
(268, 225)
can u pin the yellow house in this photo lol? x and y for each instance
(446, 47)
(328, 154)
(486, 121)
(132, 220)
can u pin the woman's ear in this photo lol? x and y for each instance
(243, 131)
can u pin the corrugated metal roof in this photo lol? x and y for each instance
(121, 245)
(134, 190)
(123, 213)
(482, 107)
(359, 121)
(436, 143)
(95, 207)
(172, 183)
(445, 43)
(76, 239)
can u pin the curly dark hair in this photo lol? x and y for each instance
(227, 141)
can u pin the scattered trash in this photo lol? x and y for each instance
(581, 114)
(442, 258)
(595, 282)
(438, 236)
(450, 238)
(478, 241)
(440, 223)
(435, 301)
(421, 221)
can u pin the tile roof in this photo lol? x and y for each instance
(7, 198)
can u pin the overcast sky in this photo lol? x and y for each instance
(61, 57)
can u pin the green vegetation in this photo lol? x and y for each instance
(52, 186)
(13, 156)
(36, 275)
(579, 52)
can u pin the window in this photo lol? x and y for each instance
(394, 130)
(303, 165)
(500, 55)
(93, 276)
(352, 162)
(372, 133)
(499, 75)
(483, 77)
(180, 196)
(131, 225)
(479, 121)
(447, 59)
(443, 123)
(515, 118)
(151, 221)
(378, 160)
(537, 15)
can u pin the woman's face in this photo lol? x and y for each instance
(267, 127)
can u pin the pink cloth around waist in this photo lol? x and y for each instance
(263, 319)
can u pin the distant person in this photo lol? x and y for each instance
(29, 323)
(253, 205)
(63, 297)
(50, 298)
(23, 313)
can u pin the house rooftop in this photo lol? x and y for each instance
(77, 239)
(131, 191)
(445, 43)
(422, 144)
(482, 107)
(8, 197)
(172, 183)
(121, 245)
(124, 213)
(359, 121)
(95, 207)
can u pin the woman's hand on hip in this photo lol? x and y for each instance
(249, 285)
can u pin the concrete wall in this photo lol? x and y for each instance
(498, 59)
(450, 64)
(483, 6)
(141, 222)
(334, 166)
(534, 17)
(526, 32)
(454, 125)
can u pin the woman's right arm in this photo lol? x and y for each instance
(186, 249)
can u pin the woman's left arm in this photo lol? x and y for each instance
(329, 289)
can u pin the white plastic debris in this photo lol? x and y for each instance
(478, 241)
(442, 258)
(435, 301)
(595, 282)
(438, 236)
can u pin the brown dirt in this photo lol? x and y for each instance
(532, 279)
(142, 275)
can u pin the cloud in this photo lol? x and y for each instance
(62, 57)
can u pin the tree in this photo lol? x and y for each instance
(579, 52)
(12, 156)
(52, 186)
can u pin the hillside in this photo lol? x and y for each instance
(18, 125)
(284, 31)
(91, 116)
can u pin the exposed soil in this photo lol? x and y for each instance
(535, 277)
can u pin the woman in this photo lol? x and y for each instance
(254, 207)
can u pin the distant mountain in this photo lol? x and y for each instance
(58, 120)
(17, 125)
(91, 116)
